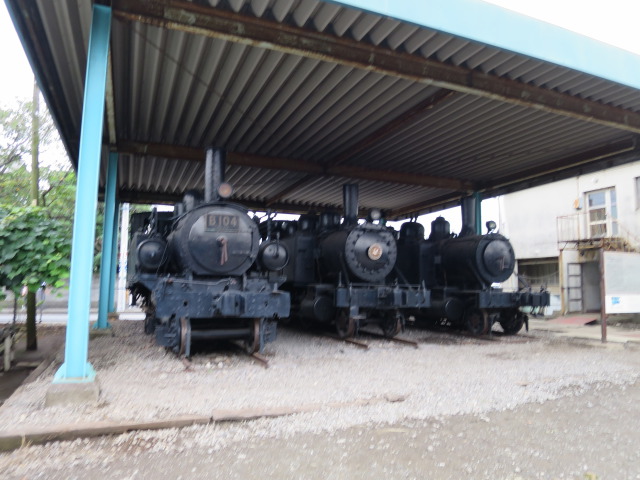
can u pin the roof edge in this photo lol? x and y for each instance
(478, 21)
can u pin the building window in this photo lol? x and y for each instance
(540, 272)
(602, 213)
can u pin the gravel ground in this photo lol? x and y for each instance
(392, 388)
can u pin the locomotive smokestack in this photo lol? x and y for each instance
(213, 173)
(350, 202)
(471, 215)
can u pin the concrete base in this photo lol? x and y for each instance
(100, 332)
(113, 316)
(80, 393)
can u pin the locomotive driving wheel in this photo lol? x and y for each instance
(512, 321)
(345, 324)
(392, 324)
(252, 343)
(476, 320)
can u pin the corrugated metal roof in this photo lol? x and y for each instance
(183, 85)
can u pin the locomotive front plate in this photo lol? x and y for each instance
(217, 222)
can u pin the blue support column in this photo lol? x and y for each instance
(114, 261)
(108, 246)
(76, 367)
(478, 207)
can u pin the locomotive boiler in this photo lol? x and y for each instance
(202, 273)
(339, 271)
(460, 272)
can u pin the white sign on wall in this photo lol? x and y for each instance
(622, 282)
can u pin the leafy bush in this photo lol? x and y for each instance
(34, 248)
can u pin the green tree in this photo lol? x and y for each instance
(33, 248)
(16, 134)
(25, 131)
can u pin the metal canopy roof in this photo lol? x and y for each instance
(306, 95)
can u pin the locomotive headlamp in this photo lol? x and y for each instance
(225, 190)
(491, 226)
(374, 252)
(375, 214)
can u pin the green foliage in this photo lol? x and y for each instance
(14, 186)
(34, 248)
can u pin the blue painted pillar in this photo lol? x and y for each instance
(114, 261)
(108, 246)
(76, 367)
(478, 207)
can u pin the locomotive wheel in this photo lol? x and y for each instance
(512, 322)
(476, 321)
(252, 344)
(345, 325)
(185, 338)
(392, 325)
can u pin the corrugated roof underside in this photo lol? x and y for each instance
(173, 87)
(173, 177)
(479, 139)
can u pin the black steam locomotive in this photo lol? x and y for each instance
(459, 271)
(342, 273)
(201, 272)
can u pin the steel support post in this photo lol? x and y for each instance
(114, 260)
(76, 367)
(478, 206)
(106, 284)
(603, 298)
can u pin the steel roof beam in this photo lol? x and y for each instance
(274, 163)
(556, 166)
(401, 121)
(617, 153)
(204, 20)
(407, 118)
(136, 196)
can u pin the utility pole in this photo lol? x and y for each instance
(32, 337)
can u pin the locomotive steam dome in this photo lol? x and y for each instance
(216, 239)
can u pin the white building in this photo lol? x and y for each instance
(558, 231)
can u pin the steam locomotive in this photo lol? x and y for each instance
(342, 273)
(201, 272)
(460, 271)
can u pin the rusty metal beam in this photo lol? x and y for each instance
(291, 165)
(289, 189)
(605, 156)
(405, 119)
(393, 126)
(204, 20)
(162, 198)
(425, 206)
(559, 165)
